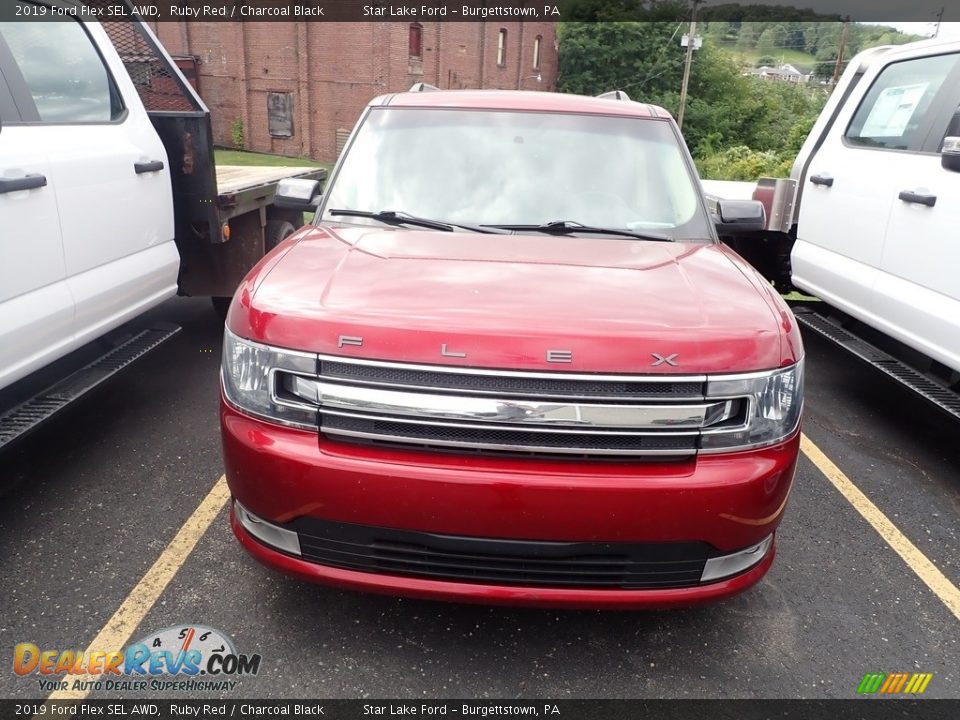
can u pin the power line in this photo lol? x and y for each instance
(691, 41)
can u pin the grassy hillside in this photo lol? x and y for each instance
(750, 57)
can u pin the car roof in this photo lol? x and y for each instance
(521, 100)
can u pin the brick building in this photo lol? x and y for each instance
(298, 88)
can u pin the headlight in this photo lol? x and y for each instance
(775, 401)
(249, 373)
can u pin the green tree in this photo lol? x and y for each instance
(826, 63)
(767, 43)
(725, 109)
(642, 57)
(748, 36)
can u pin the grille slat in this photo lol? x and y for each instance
(611, 443)
(513, 384)
(504, 562)
(432, 558)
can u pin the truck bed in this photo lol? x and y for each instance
(232, 179)
(243, 189)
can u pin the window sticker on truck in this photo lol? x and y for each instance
(893, 110)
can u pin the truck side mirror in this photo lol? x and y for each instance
(736, 217)
(950, 154)
(297, 194)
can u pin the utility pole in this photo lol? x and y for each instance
(939, 20)
(843, 47)
(686, 69)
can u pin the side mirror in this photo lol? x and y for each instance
(736, 217)
(950, 154)
(297, 194)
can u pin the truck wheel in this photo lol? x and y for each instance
(220, 306)
(276, 232)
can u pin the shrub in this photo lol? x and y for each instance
(237, 134)
(742, 163)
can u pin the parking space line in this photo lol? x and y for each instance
(911, 554)
(116, 633)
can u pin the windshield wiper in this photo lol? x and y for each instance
(394, 217)
(568, 227)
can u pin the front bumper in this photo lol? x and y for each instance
(728, 502)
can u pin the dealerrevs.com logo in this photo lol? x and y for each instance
(182, 658)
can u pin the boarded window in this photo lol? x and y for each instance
(416, 40)
(280, 114)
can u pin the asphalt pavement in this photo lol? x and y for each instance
(90, 500)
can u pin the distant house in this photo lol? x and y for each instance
(781, 73)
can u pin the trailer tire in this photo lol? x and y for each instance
(276, 232)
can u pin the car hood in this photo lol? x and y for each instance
(504, 301)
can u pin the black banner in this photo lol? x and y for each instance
(479, 10)
(861, 709)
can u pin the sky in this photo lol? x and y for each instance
(917, 11)
(947, 29)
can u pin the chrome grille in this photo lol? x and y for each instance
(451, 408)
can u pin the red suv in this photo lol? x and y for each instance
(510, 362)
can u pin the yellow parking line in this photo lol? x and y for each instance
(116, 633)
(120, 627)
(911, 554)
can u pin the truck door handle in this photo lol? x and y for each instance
(148, 167)
(824, 180)
(27, 182)
(912, 197)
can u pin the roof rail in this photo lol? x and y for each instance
(423, 87)
(614, 95)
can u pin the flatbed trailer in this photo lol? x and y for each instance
(241, 188)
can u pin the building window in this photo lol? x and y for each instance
(536, 51)
(280, 114)
(502, 47)
(416, 40)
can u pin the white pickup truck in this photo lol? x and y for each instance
(109, 203)
(868, 220)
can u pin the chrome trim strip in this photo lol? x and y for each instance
(508, 448)
(267, 533)
(542, 394)
(455, 369)
(510, 412)
(724, 566)
(516, 428)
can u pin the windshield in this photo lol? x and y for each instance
(493, 167)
